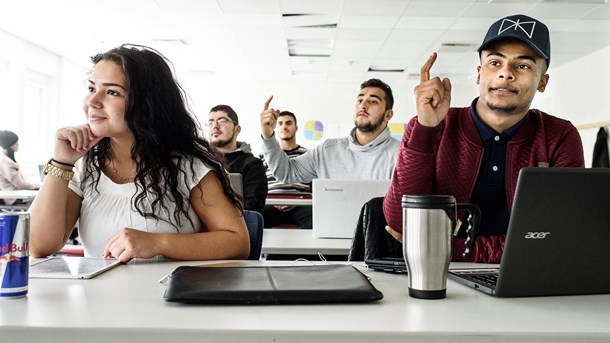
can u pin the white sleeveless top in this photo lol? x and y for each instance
(110, 208)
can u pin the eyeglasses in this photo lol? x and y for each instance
(219, 121)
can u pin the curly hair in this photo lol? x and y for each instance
(165, 132)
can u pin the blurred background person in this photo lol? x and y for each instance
(11, 176)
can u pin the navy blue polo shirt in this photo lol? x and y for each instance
(489, 191)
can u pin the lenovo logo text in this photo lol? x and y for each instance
(537, 235)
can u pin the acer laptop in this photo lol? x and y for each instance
(336, 204)
(558, 240)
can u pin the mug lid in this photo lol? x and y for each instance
(428, 200)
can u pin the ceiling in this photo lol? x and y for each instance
(295, 40)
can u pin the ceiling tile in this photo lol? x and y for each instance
(374, 7)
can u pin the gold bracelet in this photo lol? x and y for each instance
(58, 172)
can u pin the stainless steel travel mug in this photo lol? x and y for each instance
(428, 223)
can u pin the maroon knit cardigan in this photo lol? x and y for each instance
(446, 160)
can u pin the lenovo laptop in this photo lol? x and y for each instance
(337, 203)
(558, 240)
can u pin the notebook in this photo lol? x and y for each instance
(558, 240)
(337, 203)
(71, 267)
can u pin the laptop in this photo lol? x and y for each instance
(71, 267)
(558, 240)
(236, 180)
(337, 203)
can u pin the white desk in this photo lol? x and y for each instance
(288, 201)
(22, 194)
(302, 242)
(126, 305)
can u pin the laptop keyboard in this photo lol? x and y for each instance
(485, 279)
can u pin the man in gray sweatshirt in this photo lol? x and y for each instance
(369, 152)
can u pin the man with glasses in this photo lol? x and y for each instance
(223, 129)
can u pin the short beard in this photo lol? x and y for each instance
(220, 143)
(369, 127)
(287, 138)
(508, 109)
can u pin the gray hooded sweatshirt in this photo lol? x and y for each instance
(336, 158)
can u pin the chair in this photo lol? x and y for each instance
(371, 240)
(254, 222)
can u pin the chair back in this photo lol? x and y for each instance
(371, 240)
(254, 222)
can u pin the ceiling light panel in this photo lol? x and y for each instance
(310, 33)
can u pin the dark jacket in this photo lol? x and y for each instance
(253, 173)
(446, 160)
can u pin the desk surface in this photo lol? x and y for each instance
(126, 305)
(302, 242)
(23, 194)
(273, 201)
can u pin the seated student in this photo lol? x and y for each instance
(223, 128)
(145, 185)
(369, 152)
(475, 153)
(11, 177)
(280, 215)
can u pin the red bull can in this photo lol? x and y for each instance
(14, 254)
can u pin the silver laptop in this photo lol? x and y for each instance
(337, 203)
(236, 180)
(558, 240)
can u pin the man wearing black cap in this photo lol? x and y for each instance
(475, 153)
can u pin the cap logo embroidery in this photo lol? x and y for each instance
(526, 26)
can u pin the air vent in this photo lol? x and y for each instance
(385, 70)
(309, 47)
(455, 47)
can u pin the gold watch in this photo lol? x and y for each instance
(57, 172)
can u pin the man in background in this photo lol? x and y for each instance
(223, 128)
(369, 152)
(280, 215)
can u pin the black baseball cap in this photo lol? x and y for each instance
(526, 29)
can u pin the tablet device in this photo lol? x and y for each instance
(388, 264)
(71, 267)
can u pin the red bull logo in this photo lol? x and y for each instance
(13, 248)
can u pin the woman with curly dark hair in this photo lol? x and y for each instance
(146, 184)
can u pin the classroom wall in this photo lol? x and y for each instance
(24, 64)
(331, 103)
(577, 91)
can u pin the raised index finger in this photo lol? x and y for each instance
(267, 103)
(425, 70)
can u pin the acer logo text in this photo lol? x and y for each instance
(537, 235)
